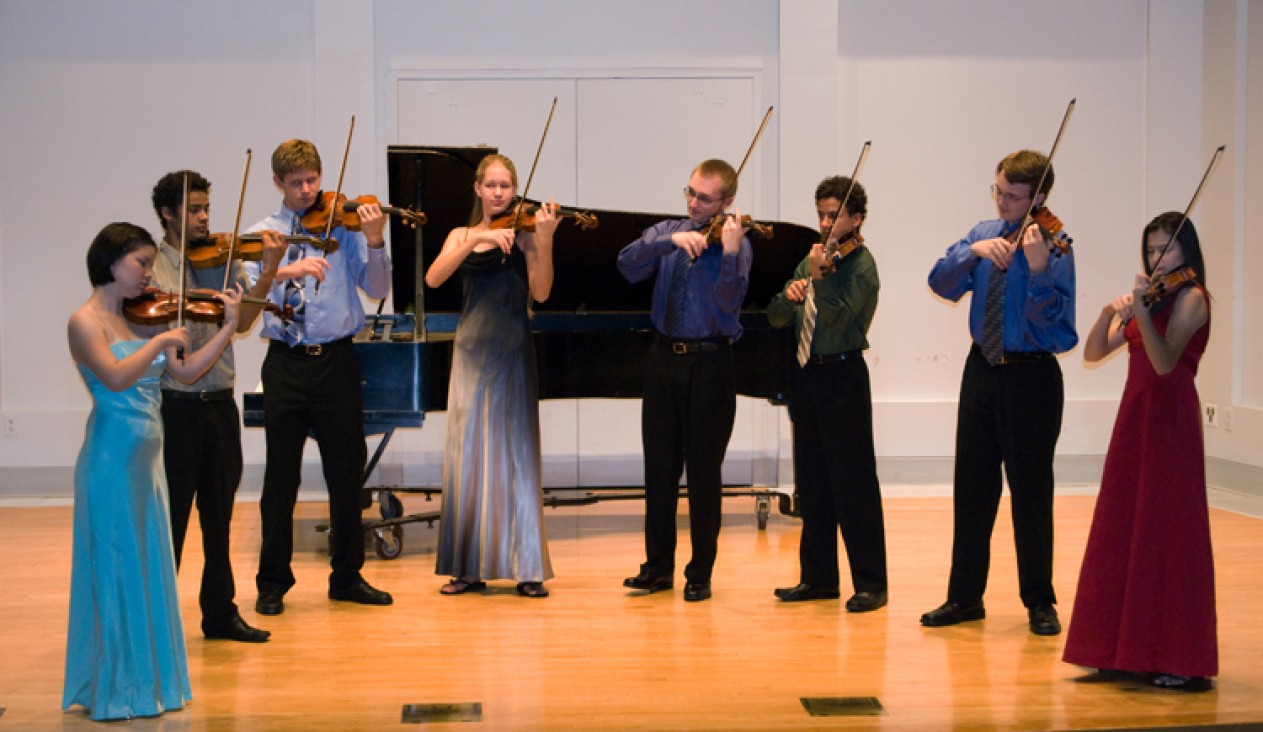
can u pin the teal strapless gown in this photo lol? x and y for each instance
(125, 652)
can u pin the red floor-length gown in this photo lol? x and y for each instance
(1146, 597)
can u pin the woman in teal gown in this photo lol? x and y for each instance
(125, 646)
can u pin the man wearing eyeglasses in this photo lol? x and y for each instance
(1011, 398)
(690, 394)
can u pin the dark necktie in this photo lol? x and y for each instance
(676, 296)
(993, 317)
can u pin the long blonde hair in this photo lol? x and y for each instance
(475, 218)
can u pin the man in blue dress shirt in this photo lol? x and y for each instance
(1011, 397)
(690, 393)
(311, 380)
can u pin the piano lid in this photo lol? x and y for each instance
(440, 182)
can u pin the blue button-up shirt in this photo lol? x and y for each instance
(1038, 309)
(333, 310)
(716, 281)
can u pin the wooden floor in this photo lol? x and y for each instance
(593, 656)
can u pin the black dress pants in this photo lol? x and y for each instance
(835, 470)
(1009, 415)
(321, 395)
(202, 453)
(686, 419)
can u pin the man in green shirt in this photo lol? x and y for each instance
(830, 303)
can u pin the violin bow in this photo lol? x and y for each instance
(1214, 160)
(184, 240)
(531, 176)
(236, 224)
(1153, 276)
(762, 126)
(346, 152)
(855, 174)
(1065, 120)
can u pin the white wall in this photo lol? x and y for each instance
(103, 98)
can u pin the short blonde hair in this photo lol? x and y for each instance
(294, 155)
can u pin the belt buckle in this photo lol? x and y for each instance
(314, 350)
(680, 348)
(203, 396)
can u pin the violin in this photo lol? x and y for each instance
(837, 250)
(715, 229)
(214, 251)
(1052, 229)
(526, 221)
(1168, 283)
(157, 306)
(317, 218)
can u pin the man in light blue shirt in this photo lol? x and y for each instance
(311, 378)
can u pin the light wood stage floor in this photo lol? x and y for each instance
(594, 656)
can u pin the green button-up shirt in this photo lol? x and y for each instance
(845, 303)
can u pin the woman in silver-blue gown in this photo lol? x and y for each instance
(492, 524)
(125, 652)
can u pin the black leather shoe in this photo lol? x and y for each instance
(804, 591)
(863, 602)
(951, 613)
(1044, 620)
(696, 591)
(270, 602)
(237, 630)
(649, 583)
(363, 593)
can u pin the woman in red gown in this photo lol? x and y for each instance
(1146, 598)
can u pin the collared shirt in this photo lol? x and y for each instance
(716, 281)
(845, 303)
(1038, 309)
(333, 310)
(166, 276)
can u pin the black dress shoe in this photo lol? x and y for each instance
(804, 591)
(361, 592)
(236, 630)
(951, 613)
(270, 602)
(1044, 620)
(863, 602)
(696, 591)
(649, 583)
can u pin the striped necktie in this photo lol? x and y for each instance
(673, 323)
(809, 325)
(993, 317)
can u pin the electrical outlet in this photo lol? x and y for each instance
(1210, 415)
(1225, 418)
(10, 424)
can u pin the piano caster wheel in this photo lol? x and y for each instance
(762, 508)
(392, 507)
(388, 541)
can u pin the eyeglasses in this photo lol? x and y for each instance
(1006, 196)
(702, 198)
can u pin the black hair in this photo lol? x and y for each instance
(168, 192)
(115, 241)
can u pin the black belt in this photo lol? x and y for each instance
(219, 395)
(822, 358)
(313, 349)
(681, 348)
(1011, 357)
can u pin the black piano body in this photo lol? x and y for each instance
(591, 336)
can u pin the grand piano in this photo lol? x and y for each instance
(591, 336)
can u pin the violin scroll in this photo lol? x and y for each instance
(1053, 230)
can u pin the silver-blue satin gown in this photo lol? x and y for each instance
(492, 523)
(125, 652)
